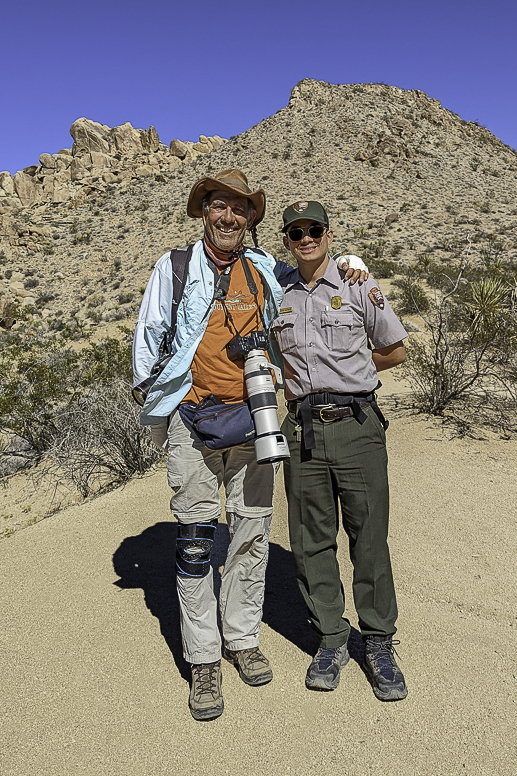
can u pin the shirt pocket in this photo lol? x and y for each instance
(285, 331)
(338, 329)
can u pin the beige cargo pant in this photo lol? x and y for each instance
(195, 474)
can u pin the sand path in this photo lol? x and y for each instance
(92, 676)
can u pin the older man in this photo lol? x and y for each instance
(229, 290)
(335, 433)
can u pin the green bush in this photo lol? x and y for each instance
(411, 298)
(468, 356)
(39, 379)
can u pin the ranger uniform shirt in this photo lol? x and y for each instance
(324, 332)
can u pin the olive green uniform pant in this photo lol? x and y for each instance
(348, 467)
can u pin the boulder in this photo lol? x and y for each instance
(61, 192)
(78, 170)
(8, 205)
(47, 161)
(6, 183)
(179, 149)
(143, 170)
(41, 231)
(63, 162)
(89, 136)
(204, 146)
(48, 187)
(17, 456)
(126, 139)
(109, 177)
(31, 170)
(26, 188)
(149, 139)
(100, 161)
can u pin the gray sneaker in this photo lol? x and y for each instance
(206, 699)
(386, 678)
(323, 673)
(252, 665)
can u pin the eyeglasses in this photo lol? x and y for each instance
(297, 233)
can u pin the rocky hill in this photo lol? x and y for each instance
(400, 175)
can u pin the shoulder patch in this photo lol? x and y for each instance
(376, 297)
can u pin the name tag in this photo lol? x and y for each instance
(285, 310)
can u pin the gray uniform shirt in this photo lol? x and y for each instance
(323, 333)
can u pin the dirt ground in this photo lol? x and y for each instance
(92, 675)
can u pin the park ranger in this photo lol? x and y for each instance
(336, 436)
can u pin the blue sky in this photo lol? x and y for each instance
(220, 67)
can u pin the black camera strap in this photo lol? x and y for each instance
(252, 286)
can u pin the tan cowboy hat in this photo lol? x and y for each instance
(233, 181)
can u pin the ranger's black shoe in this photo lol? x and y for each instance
(383, 673)
(323, 673)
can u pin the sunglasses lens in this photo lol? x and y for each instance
(315, 231)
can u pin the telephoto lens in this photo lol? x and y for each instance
(270, 443)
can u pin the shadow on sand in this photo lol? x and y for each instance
(147, 561)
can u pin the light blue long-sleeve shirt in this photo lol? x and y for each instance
(193, 315)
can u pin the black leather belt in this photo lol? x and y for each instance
(328, 412)
(328, 407)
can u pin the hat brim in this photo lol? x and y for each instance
(206, 185)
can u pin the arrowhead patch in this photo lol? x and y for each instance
(376, 297)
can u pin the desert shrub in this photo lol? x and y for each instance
(39, 379)
(98, 443)
(468, 355)
(410, 298)
(31, 283)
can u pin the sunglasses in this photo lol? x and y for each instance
(297, 233)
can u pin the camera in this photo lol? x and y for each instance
(240, 347)
(270, 443)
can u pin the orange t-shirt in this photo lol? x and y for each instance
(212, 370)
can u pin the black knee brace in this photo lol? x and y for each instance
(194, 547)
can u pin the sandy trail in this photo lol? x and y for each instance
(92, 676)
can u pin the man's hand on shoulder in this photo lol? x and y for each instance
(354, 267)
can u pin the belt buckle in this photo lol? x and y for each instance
(322, 409)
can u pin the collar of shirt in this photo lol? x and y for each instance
(331, 276)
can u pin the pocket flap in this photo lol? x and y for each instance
(283, 320)
(336, 318)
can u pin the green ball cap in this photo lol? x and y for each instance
(311, 211)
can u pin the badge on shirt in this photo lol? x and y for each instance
(285, 310)
(336, 302)
(376, 297)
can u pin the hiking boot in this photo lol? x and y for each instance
(253, 667)
(323, 673)
(206, 699)
(383, 673)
